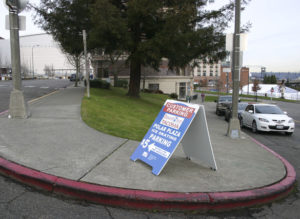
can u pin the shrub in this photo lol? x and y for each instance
(158, 92)
(99, 84)
(121, 83)
(147, 91)
(173, 96)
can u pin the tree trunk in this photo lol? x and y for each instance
(115, 79)
(77, 71)
(135, 78)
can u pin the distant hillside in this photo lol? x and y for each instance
(279, 75)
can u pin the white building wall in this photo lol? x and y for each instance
(41, 50)
(4, 53)
(206, 69)
(168, 85)
(37, 50)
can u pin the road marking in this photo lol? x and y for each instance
(3, 85)
(296, 121)
(36, 99)
(44, 87)
(29, 86)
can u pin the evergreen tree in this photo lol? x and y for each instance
(148, 30)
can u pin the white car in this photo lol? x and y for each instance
(267, 117)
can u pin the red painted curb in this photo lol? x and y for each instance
(150, 200)
(2, 113)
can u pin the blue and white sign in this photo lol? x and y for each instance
(165, 134)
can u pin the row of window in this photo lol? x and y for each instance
(210, 74)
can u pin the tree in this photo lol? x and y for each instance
(65, 20)
(49, 71)
(273, 79)
(219, 85)
(256, 88)
(148, 30)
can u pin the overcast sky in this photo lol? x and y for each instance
(273, 41)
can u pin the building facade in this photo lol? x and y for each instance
(207, 74)
(163, 79)
(39, 53)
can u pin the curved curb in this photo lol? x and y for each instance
(152, 200)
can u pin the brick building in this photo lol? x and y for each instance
(244, 78)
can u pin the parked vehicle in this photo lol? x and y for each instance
(241, 107)
(222, 103)
(267, 117)
(73, 77)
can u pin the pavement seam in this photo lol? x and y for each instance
(97, 164)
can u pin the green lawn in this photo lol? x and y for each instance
(248, 96)
(114, 113)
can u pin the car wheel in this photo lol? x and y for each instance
(254, 127)
(218, 112)
(226, 117)
(241, 123)
(289, 133)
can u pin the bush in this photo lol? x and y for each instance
(121, 83)
(147, 91)
(158, 92)
(98, 84)
(173, 96)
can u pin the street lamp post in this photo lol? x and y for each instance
(17, 104)
(234, 125)
(32, 59)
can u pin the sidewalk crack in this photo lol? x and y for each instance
(97, 164)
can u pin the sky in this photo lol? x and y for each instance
(273, 40)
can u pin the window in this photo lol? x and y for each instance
(204, 73)
(211, 74)
(153, 86)
(249, 107)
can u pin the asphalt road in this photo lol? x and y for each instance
(31, 89)
(289, 148)
(19, 201)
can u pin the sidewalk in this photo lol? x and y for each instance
(55, 150)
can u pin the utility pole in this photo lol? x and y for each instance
(17, 106)
(86, 65)
(234, 123)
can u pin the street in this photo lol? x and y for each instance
(31, 89)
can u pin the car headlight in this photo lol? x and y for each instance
(291, 121)
(263, 120)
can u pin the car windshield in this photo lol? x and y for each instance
(225, 99)
(242, 106)
(268, 109)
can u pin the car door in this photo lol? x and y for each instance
(247, 119)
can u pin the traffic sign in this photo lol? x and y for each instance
(169, 129)
(19, 5)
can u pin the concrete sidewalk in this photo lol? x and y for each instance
(55, 150)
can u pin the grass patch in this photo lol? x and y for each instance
(114, 113)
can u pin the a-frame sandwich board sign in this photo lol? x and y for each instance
(177, 121)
